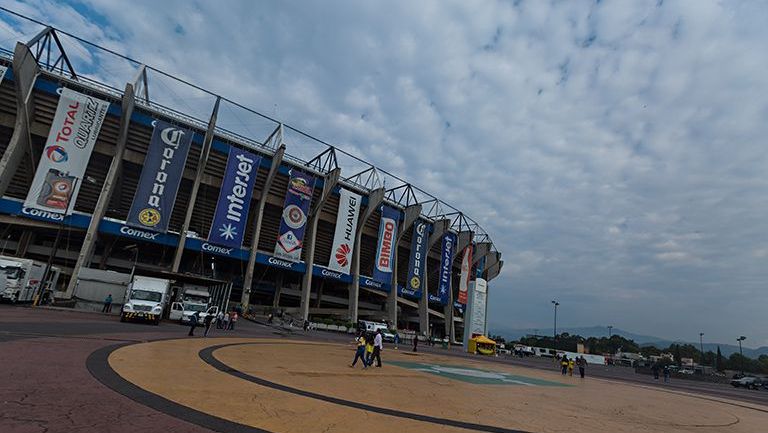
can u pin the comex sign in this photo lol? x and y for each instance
(42, 214)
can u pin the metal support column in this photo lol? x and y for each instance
(410, 214)
(204, 151)
(438, 230)
(25, 70)
(330, 181)
(375, 198)
(86, 250)
(277, 159)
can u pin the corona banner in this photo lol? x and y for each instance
(466, 264)
(62, 165)
(344, 237)
(228, 227)
(446, 263)
(160, 178)
(385, 252)
(293, 224)
(418, 260)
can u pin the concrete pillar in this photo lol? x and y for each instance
(86, 250)
(375, 198)
(25, 70)
(464, 240)
(277, 159)
(438, 230)
(330, 181)
(206, 149)
(410, 214)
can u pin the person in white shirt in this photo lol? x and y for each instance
(377, 347)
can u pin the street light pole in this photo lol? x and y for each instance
(609, 331)
(554, 329)
(701, 346)
(740, 339)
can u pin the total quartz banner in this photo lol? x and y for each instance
(344, 237)
(160, 178)
(229, 220)
(62, 165)
(293, 224)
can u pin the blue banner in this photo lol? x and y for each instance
(160, 178)
(228, 226)
(382, 268)
(446, 265)
(418, 260)
(293, 224)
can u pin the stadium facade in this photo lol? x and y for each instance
(97, 177)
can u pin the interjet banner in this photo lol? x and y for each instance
(344, 238)
(382, 269)
(67, 150)
(418, 261)
(446, 263)
(294, 222)
(466, 264)
(160, 178)
(228, 227)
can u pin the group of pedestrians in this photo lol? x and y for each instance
(224, 321)
(664, 369)
(369, 347)
(567, 365)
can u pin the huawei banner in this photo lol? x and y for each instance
(382, 269)
(446, 263)
(160, 178)
(344, 238)
(293, 224)
(228, 227)
(466, 263)
(67, 150)
(418, 259)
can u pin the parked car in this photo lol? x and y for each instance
(685, 371)
(748, 382)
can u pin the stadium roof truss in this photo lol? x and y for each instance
(50, 48)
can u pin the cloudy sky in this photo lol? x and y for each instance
(615, 151)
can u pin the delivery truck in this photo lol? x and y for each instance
(145, 299)
(20, 279)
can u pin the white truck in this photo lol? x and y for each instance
(145, 299)
(20, 279)
(368, 326)
(192, 301)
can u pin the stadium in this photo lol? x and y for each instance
(213, 194)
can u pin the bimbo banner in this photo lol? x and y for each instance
(418, 259)
(67, 150)
(228, 227)
(466, 264)
(446, 263)
(382, 269)
(160, 178)
(344, 238)
(293, 224)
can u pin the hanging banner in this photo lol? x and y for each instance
(466, 263)
(477, 309)
(228, 226)
(293, 224)
(446, 263)
(62, 165)
(344, 238)
(160, 178)
(382, 269)
(418, 260)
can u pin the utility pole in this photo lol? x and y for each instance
(701, 347)
(740, 339)
(609, 331)
(554, 329)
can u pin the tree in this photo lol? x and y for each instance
(720, 362)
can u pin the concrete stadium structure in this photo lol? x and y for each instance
(96, 236)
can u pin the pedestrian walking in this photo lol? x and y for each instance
(193, 320)
(368, 349)
(232, 321)
(225, 322)
(107, 304)
(655, 370)
(415, 342)
(397, 339)
(360, 351)
(582, 363)
(667, 373)
(571, 363)
(564, 365)
(219, 320)
(377, 348)
(207, 322)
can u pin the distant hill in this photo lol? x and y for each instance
(643, 340)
